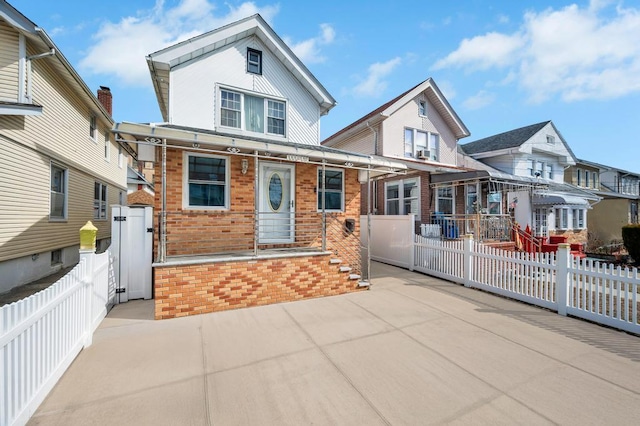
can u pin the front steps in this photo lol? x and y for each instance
(346, 269)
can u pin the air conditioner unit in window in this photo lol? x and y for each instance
(424, 154)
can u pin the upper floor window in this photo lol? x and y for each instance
(99, 201)
(403, 197)
(206, 181)
(422, 108)
(58, 204)
(333, 190)
(595, 182)
(92, 127)
(550, 171)
(551, 139)
(579, 177)
(254, 61)
(248, 112)
(107, 146)
(587, 178)
(421, 144)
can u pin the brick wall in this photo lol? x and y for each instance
(192, 289)
(196, 289)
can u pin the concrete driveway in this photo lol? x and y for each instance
(412, 350)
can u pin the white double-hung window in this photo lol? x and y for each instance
(250, 112)
(421, 144)
(403, 197)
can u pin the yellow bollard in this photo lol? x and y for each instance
(88, 236)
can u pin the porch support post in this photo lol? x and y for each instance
(163, 212)
(324, 213)
(256, 213)
(368, 223)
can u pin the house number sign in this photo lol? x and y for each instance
(298, 158)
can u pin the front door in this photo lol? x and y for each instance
(276, 200)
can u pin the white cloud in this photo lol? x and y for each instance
(479, 100)
(120, 48)
(308, 51)
(503, 19)
(374, 84)
(574, 53)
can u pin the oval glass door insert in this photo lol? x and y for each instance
(275, 192)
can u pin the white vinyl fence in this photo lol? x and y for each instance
(598, 292)
(41, 335)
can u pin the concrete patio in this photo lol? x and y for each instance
(412, 350)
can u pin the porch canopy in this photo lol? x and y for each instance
(474, 176)
(148, 136)
(557, 198)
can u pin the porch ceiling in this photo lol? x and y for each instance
(200, 139)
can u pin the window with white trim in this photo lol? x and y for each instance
(494, 203)
(551, 139)
(444, 200)
(578, 219)
(540, 222)
(333, 190)
(562, 218)
(58, 202)
(107, 146)
(421, 144)
(250, 112)
(99, 201)
(206, 181)
(578, 177)
(550, 171)
(587, 178)
(402, 197)
(254, 61)
(422, 108)
(92, 127)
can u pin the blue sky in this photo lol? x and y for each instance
(501, 64)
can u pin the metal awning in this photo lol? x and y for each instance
(556, 198)
(201, 139)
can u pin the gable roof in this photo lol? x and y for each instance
(604, 167)
(61, 65)
(434, 95)
(510, 139)
(161, 62)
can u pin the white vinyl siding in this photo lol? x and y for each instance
(8, 63)
(191, 104)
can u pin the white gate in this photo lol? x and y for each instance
(132, 243)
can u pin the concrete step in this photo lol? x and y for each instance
(354, 277)
(345, 268)
(364, 284)
(335, 261)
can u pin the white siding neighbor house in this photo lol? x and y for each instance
(418, 128)
(60, 165)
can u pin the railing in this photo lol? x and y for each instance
(212, 233)
(344, 241)
(483, 227)
(41, 335)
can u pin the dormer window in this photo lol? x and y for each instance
(422, 108)
(254, 61)
(551, 139)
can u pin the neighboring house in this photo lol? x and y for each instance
(418, 128)
(140, 192)
(252, 209)
(620, 193)
(526, 181)
(60, 165)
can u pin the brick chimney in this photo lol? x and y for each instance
(105, 98)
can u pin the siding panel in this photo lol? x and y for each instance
(8, 63)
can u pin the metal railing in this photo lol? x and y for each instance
(343, 239)
(483, 227)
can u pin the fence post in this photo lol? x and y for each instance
(87, 253)
(412, 242)
(467, 272)
(563, 260)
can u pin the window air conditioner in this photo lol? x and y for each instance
(424, 154)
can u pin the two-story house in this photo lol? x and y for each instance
(251, 209)
(529, 181)
(418, 128)
(60, 165)
(620, 193)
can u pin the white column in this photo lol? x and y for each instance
(563, 289)
(467, 264)
(86, 257)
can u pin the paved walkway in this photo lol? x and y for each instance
(412, 350)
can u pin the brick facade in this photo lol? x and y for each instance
(198, 288)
